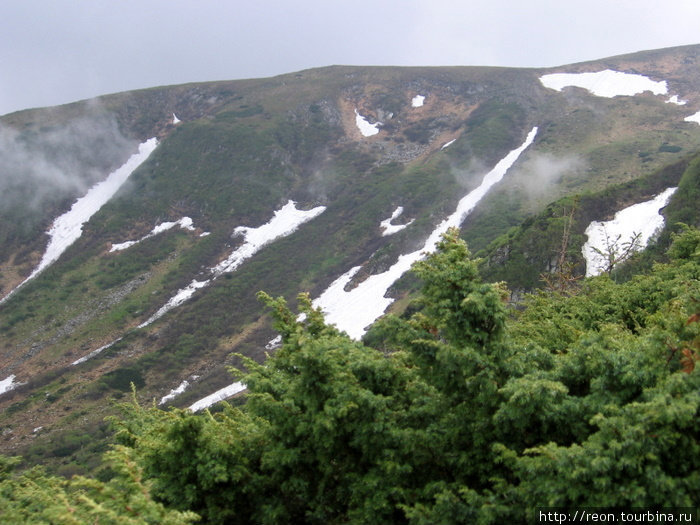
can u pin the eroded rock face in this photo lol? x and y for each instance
(398, 130)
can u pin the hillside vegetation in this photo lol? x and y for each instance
(231, 155)
(462, 411)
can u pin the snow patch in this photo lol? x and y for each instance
(68, 228)
(417, 101)
(217, 396)
(365, 127)
(390, 229)
(94, 352)
(175, 119)
(182, 295)
(176, 391)
(693, 118)
(643, 219)
(447, 144)
(185, 223)
(606, 83)
(274, 343)
(285, 221)
(353, 311)
(675, 100)
(8, 384)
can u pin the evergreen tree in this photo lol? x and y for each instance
(462, 411)
(35, 497)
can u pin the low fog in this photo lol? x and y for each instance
(539, 171)
(45, 165)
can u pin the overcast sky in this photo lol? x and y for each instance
(58, 51)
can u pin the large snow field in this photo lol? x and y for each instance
(643, 218)
(610, 84)
(605, 83)
(353, 311)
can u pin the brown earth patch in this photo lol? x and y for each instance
(391, 141)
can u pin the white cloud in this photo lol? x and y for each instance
(63, 51)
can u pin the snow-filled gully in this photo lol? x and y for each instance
(68, 228)
(353, 311)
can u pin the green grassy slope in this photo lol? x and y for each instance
(242, 150)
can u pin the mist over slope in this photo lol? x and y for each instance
(345, 148)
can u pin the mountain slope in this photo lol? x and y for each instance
(352, 143)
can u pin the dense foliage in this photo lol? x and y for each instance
(34, 497)
(460, 411)
(539, 242)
